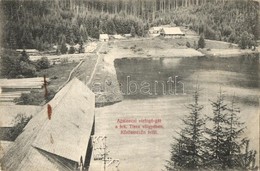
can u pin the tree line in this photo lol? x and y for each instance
(41, 24)
(15, 65)
(213, 142)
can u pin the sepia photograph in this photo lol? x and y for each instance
(129, 85)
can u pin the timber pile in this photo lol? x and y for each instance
(24, 83)
(13, 88)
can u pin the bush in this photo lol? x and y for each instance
(64, 61)
(81, 49)
(71, 50)
(27, 69)
(34, 98)
(20, 122)
(43, 63)
(188, 45)
(246, 40)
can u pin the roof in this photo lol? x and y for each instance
(8, 113)
(4, 146)
(156, 28)
(64, 137)
(28, 50)
(117, 36)
(127, 35)
(172, 30)
(103, 36)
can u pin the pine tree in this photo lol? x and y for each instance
(132, 32)
(83, 33)
(201, 42)
(235, 129)
(246, 160)
(12, 41)
(187, 153)
(216, 143)
(81, 48)
(70, 37)
(111, 28)
(63, 48)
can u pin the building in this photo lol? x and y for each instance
(118, 37)
(172, 32)
(155, 31)
(29, 51)
(127, 35)
(103, 37)
(59, 136)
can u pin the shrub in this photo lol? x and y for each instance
(20, 121)
(43, 63)
(246, 40)
(64, 61)
(27, 69)
(34, 98)
(188, 45)
(71, 50)
(81, 49)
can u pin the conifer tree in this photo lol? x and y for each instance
(13, 43)
(132, 32)
(81, 47)
(234, 130)
(216, 143)
(111, 28)
(201, 42)
(63, 48)
(246, 160)
(83, 33)
(187, 153)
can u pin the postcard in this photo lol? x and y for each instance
(129, 85)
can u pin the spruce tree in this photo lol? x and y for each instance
(83, 33)
(217, 135)
(201, 42)
(187, 153)
(81, 47)
(132, 32)
(234, 130)
(63, 48)
(111, 28)
(12, 41)
(246, 160)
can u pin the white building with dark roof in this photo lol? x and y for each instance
(155, 31)
(103, 37)
(172, 32)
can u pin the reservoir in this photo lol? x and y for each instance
(236, 77)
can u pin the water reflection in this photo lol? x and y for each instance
(166, 76)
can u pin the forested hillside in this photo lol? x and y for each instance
(41, 24)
